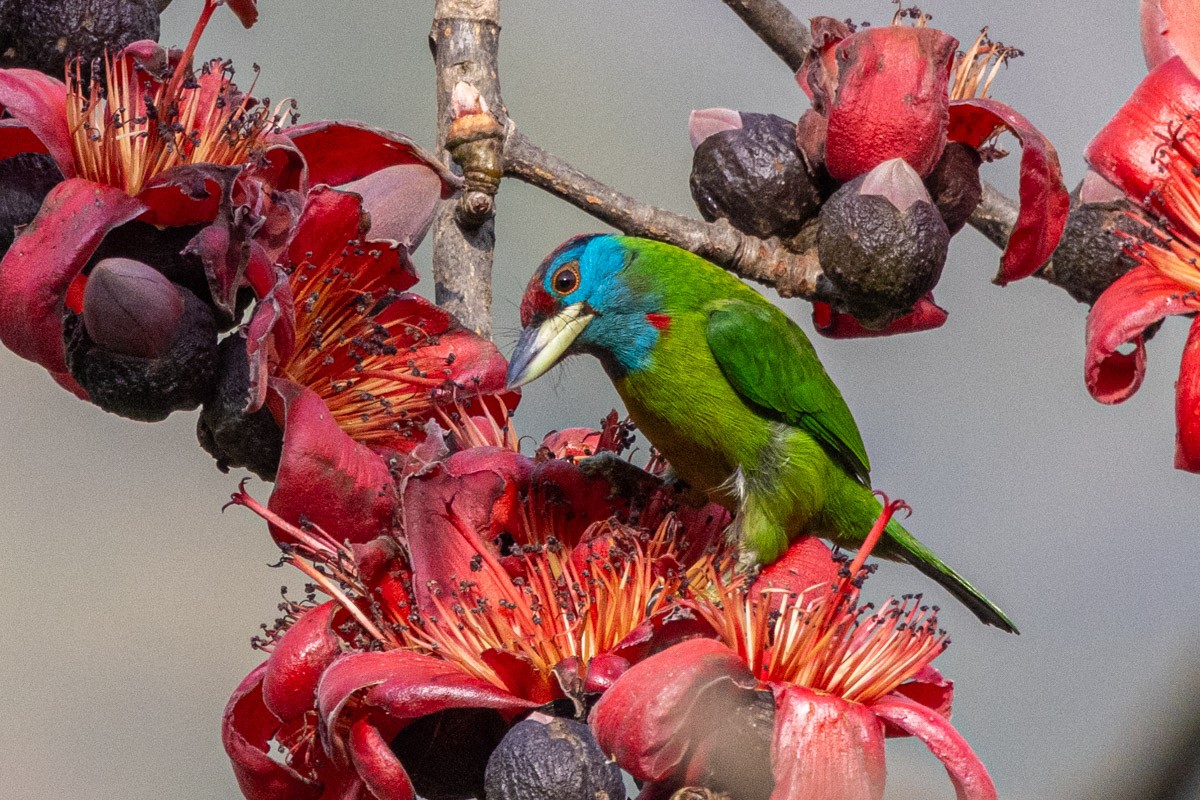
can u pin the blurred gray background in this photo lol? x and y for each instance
(130, 599)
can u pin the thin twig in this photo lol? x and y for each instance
(779, 28)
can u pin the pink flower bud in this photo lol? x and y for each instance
(896, 181)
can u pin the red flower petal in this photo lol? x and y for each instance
(1182, 30)
(401, 202)
(926, 315)
(309, 646)
(46, 258)
(807, 563)
(825, 748)
(1125, 150)
(652, 716)
(324, 476)
(247, 729)
(966, 771)
(1044, 200)
(891, 100)
(40, 103)
(1136, 300)
(16, 138)
(188, 194)
(338, 152)
(1187, 404)
(247, 14)
(271, 335)
(931, 689)
(377, 765)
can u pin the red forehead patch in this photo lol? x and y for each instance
(537, 302)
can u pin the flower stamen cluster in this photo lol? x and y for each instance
(975, 69)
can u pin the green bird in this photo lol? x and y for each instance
(727, 387)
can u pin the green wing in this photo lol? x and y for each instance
(772, 365)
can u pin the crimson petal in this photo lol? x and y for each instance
(46, 257)
(653, 715)
(807, 563)
(289, 686)
(340, 151)
(270, 334)
(1136, 300)
(967, 773)
(247, 13)
(1187, 404)
(17, 138)
(1044, 202)
(1126, 151)
(247, 729)
(377, 765)
(925, 316)
(324, 476)
(40, 103)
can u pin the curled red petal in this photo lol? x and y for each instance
(45, 259)
(925, 316)
(401, 201)
(380, 770)
(967, 773)
(808, 562)
(825, 748)
(340, 151)
(931, 689)
(325, 476)
(17, 138)
(247, 13)
(1182, 30)
(188, 194)
(270, 336)
(1126, 150)
(891, 100)
(651, 717)
(1187, 404)
(1133, 302)
(40, 103)
(247, 730)
(1044, 202)
(295, 665)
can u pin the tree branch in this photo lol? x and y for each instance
(465, 39)
(778, 27)
(791, 270)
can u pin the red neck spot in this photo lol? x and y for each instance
(660, 321)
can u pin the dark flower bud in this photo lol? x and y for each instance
(44, 34)
(130, 308)
(25, 180)
(752, 175)
(551, 759)
(446, 754)
(882, 243)
(148, 389)
(954, 184)
(1091, 254)
(229, 434)
(161, 248)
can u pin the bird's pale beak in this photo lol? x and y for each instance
(540, 348)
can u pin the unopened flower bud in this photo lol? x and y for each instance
(147, 389)
(401, 200)
(753, 175)
(130, 308)
(43, 34)
(954, 184)
(882, 243)
(25, 180)
(551, 759)
(229, 434)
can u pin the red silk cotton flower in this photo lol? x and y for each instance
(1149, 151)
(793, 699)
(511, 584)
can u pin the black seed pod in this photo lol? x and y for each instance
(1091, 255)
(25, 180)
(148, 389)
(555, 760)
(882, 243)
(755, 177)
(445, 754)
(44, 34)
(226, 432)
(954, 184)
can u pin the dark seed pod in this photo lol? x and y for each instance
(882, 243)
(1091, 255)
(44, 34)
(446, 754)
(25, 180)
(130, 308)
(954, 184)
(148, 389)
(226, 432)
(554, 760)
(755, 177)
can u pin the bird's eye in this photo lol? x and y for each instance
(566, 278)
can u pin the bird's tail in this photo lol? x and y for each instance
(900, 545)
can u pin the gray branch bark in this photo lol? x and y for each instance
(465, 39)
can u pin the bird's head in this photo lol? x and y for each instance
(584, 299)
